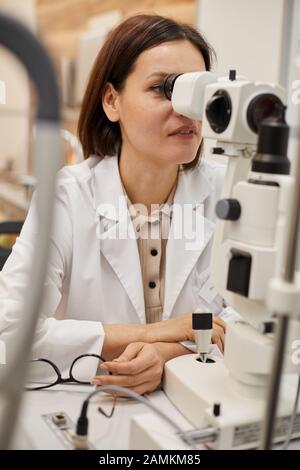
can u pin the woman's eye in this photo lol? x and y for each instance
(156, 88)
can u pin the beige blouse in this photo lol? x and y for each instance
(152, 235)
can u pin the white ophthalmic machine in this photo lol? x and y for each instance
(232, 401)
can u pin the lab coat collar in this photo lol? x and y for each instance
(190, 190)
(112, 214)
(109, 188)
(182, 253)
(111, 208)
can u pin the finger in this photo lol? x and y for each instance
(141, 389)
(145, 388)
(220, 341)
(220, 335)
(150, 375)
(220, 322)
(131, 351)
(143, 361)
(219, 330)
(217, 340)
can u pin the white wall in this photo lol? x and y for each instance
(14, 127)
(246, 34)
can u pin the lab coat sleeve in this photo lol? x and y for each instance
(58, 340)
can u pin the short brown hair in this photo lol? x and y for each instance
(115, 61)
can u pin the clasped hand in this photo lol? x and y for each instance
(140, 366)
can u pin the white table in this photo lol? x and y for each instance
(34, 433)
(105, 434)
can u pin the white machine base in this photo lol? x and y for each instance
(194, 388)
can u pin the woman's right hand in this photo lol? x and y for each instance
(172, 330)
(180, 329)
(118, 336)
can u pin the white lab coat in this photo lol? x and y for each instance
(93, 279)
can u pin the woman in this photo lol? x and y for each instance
(128, 297)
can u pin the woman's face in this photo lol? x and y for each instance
(148, 123)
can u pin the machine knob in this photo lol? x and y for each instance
(228, 209)
(266, 327)
(218, 151)
(217, 409)
(232, 75)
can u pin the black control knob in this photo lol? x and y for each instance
(266, 327)
(228, 209)
(232, 75)
(217, 409)
(218, 151)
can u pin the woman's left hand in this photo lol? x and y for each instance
(139, 368)
(218, 335)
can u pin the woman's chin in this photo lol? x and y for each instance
(181, 159)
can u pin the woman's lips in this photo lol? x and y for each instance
(182, 136)
(184, 132)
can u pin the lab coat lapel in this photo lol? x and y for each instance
(182, 252)
(116, 232)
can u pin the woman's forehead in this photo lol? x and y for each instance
(170, 57)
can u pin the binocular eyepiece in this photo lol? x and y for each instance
(168, 85)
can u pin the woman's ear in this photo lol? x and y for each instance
(110, 101)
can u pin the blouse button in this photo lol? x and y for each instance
(152, 285)
(154, 252)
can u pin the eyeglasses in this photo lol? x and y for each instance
(46, 372)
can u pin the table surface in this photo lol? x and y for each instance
(34, 433)
(105, 434)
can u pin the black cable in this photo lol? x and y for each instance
(82, 422)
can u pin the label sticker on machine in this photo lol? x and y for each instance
(250, 433)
